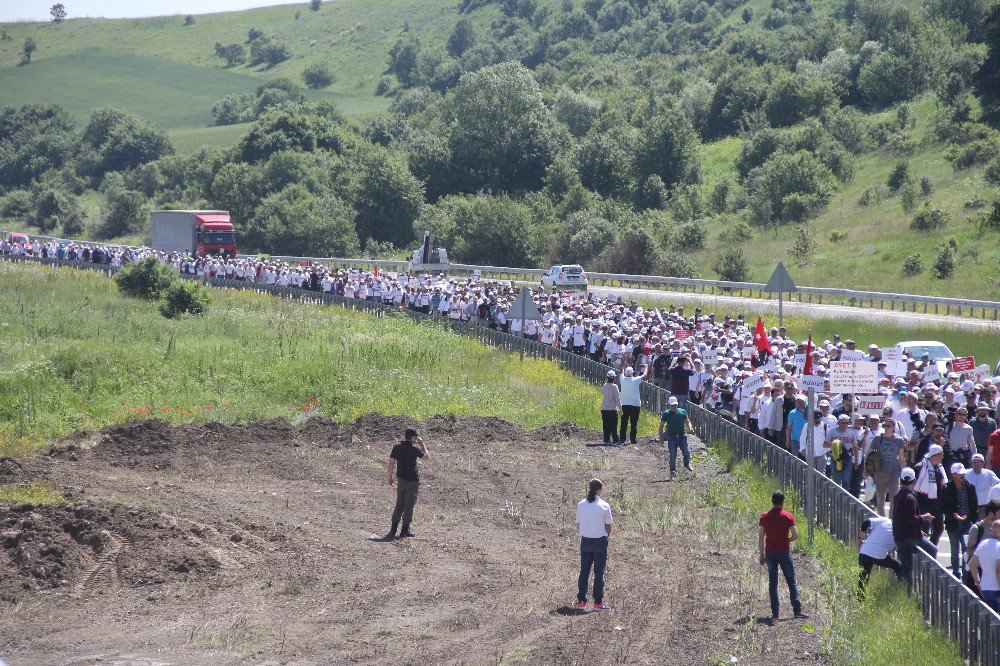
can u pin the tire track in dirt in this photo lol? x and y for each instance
(106, 572)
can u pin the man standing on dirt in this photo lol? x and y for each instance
(678, 425)
(403, 460)
(775, 535)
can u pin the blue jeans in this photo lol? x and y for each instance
(907, 548)
(957, 549)
(673, 442)
(992, 599)
(843, 476)
(783, 560)
(593, 553)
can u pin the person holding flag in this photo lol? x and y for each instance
(761, 343)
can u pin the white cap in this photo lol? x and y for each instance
(934, 450)
(671, 400)
(611, 374)
(979, 457)
(958, 468)
(907, 474)
(629, 372)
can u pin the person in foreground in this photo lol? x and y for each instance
(403, 460)
(593, 515)
(875, 541)
(985, 567)
(908, 524)
(678, 425)
(775, 535)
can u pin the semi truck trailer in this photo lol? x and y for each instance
(194, 232)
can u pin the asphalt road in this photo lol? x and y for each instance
(723, 305)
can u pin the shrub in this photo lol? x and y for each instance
(837, 236)
(189, 20)
(740, 232)
(872, 196)
(676, 264)
(732, 265)
(691, 235)
(802, 247)
(383, 85)
(908, 196)
(145, 279)
(317, 75)
(944, 265)
(900, 174)
(930, 219)
(991, 221)
(992, 173)
(912, 265)
(926, 185)
(182, 297)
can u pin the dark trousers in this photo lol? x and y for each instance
(610, 419)
(784, 561)
(593, 553)
(907, 548)
(957, 548)
(675, 442)
(932, 506)
(630, 422)
(406, 498)
(867, 562)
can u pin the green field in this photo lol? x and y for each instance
(143, 65)
(75, 354)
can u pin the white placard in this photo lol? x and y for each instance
(706, 325)
(753, 383)
(871, 404)
(812, 382)
(981, 373)
(932, 373)
(892, 354)
(800, 363)
(852, 355)
(895, 369)
(711, 357)
(853, 377)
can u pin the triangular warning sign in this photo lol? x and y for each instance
(781, 281)
(524, 307)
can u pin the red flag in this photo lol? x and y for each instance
(760, 340)
(807, 369)
(376, 270)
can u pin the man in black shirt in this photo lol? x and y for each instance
(403, 460)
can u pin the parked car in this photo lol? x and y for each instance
(15, 238)
(938, 351)
(568, 277)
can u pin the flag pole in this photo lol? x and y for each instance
(810, 449)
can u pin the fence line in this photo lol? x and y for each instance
(946, 603)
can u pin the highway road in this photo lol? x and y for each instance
(733, 305)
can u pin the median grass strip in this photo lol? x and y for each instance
(886, 628)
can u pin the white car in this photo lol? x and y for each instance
(937, 351)
(568, 277)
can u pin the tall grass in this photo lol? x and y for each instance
(74, 354)
(887, 627)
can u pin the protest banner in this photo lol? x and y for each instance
(871, 404)
(853, 377)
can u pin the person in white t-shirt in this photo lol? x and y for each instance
(875, 542)
(593, 515)
(987, 558)
(630, 391)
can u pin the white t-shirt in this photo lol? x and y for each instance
(592, 517)
(983, 482)
(819, 439)
(630, 390)
(988, 553)
(880, 540)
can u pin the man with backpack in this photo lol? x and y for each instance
(883, 463)
(843, 445)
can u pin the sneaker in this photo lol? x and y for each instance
(689, 468)
(598, 607)
(801, 616)
(390, 536)
(406, 533)
(581, 605)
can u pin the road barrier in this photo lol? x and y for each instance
(937, 305)
(947, 604)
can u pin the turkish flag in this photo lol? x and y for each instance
(760, 340)
(807, 369)
(376, 270)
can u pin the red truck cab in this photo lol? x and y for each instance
(215, 235)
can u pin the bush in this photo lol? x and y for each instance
(944, 265)
(908, 196)
(930, 219)
(691, 235)
(383, 85)
(802, 247)
(732, 265)
(189, 19)
(991, 221)
(900, 174)
(912, 265)
(182, 297)
(872, 196)
(926, 185)
(145, 279)
(740, 232)
(837, 236)
(676, 264)
(317, 75)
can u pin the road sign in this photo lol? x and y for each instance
(524, 307)
(780, 282)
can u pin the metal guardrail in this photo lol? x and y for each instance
(946, 603)
(981, 309)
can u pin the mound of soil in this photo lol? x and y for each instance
(88, 547)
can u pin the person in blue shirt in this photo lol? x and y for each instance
(796, 421)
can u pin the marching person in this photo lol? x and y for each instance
(593, 515)
(931, 478)
(960, 506)
(985, 567)
(611, 404)
(678, 425)
(775, 534)
(630, 396)
(875, 541)
(908, 524)
(403, 460)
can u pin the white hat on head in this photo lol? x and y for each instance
(907, 474)
(958, 468)
(934, 450)
(672, 400)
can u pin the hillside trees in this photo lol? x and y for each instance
(58, 12)
(29, 47)
(116, 140)
(34, 139)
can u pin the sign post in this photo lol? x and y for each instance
(780, 282)
(811, 461)
(525, 306)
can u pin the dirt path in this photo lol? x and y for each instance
(259, 544)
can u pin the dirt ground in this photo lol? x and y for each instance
(260, 544)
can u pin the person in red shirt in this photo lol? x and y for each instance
(775, 535)
(993, 450)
